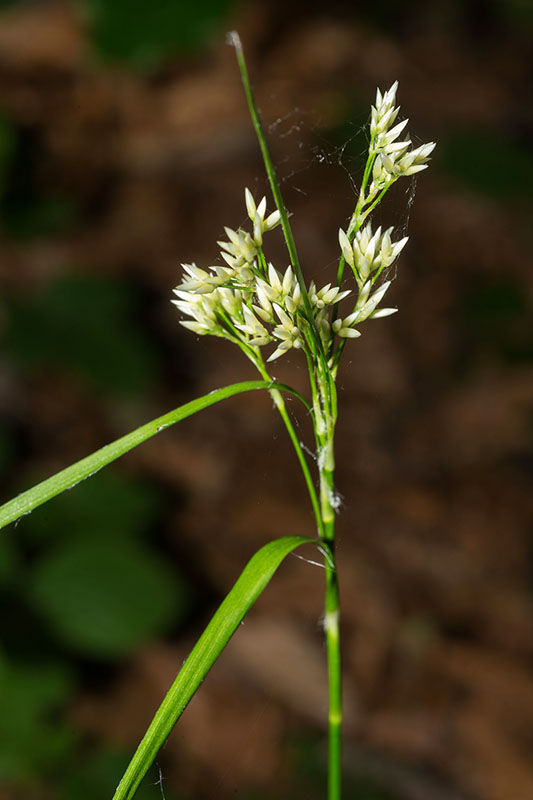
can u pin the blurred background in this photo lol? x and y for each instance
(125, 146)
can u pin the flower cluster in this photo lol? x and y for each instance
(256, 305)
(393, 159)
(368, 255)
(248, 301)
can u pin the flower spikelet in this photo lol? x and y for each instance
(253, 328)
(370, 252)
(287, 332)
(202, 309)
(257, 216)
(240, 249)
(276, 288)
(393, 159)
(201, 281)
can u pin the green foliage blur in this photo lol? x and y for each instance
(57, 329)
(143, 35)
(87, 579)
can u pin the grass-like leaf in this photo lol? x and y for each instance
(253, 579)
(88, 466)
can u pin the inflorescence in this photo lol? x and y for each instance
(251, 303)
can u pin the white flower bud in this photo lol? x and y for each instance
(382, 312)
(257, 216)
(346, 247)
(272, 221)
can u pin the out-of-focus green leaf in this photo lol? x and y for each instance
(8, 561)
(31, 740)
(108, 506)
(7, 144)
(144, 35)
(7, 448)
(104, 599)
(518, 12)
(86, 325)
(29, 217)
(497, 322)
(491, 304)
(29, 208)
(487, 162)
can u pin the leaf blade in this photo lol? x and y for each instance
(251, 582)
(88, 466)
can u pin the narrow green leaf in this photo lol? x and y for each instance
(251, 582)
(88, 466)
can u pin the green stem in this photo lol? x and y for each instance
(378, 200)
(353, 227)
(280, 405)
(328, 394)
(334, 666)
(368, 168)
(334, 681)
(282, 408)
(324, 417)
(234, 39)
(262, 261)
(314, 396)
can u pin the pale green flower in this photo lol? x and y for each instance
(202, 282)
(257, 216)
(327, 296)
(287, 332)
(252, 327)
(202, 308)
(370, 252)
(240, 250)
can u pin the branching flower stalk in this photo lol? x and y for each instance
(252, 304)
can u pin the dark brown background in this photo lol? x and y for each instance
(122, 163)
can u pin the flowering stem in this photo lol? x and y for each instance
(325, 432)
(332, 608)
(355, 223)
(334, 681)
(324, 395)
(368, 167)
(252, 305)
(282, 408)
(378, 200)
(262, 260)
